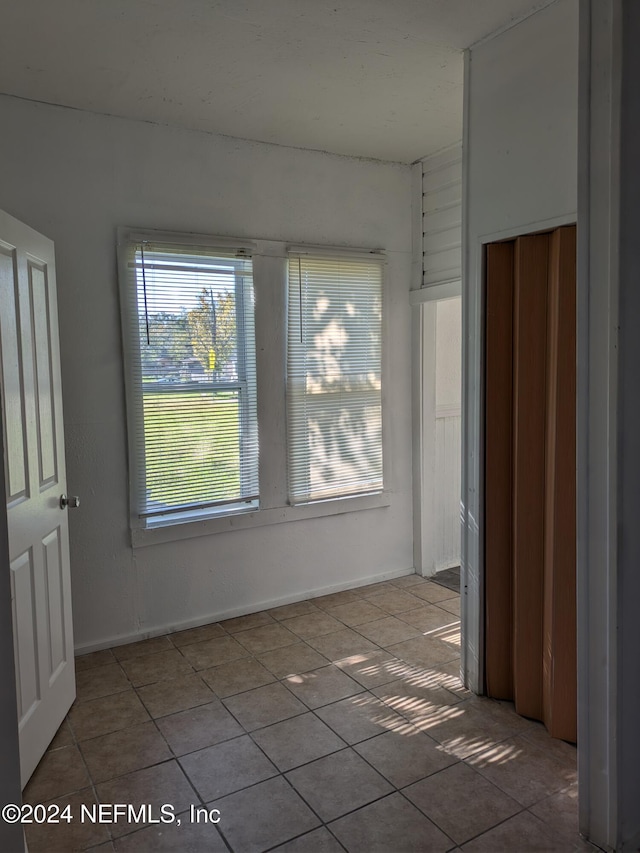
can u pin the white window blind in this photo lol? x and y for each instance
(334, 404)
(192, 380)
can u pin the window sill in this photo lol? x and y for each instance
(142, 537)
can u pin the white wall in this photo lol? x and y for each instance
(75, 177)
(520, 150)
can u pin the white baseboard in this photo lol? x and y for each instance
(159, 630)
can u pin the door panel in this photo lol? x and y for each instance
(34, 445)
(498, 470)
(54, 589)
(14, 421)
(530, 467)
(560, 653)
(41, 335)
(529, 423)
(25, 643)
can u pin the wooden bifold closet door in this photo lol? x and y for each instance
(530, 475)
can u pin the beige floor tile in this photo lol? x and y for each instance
(318, 841)
(465, 728)
(523, 833)
(360, 717)
(177, 694)
(160, 666)
(63, 737)
(451, 605)
(313, 625)
(197, 635)
(297, 741)
(208, 653)
(390, 824)
(436, 675)
(537, 733)
(108, 714)
(341, 644)
(559, 813)
(227, 767)
(92, 659)
(428, 617)
(414, 699)
(448, 675)
(153, 786)
(333, 599)
(338, 783)
(461, 802)
(356, 613)
(433, 592)
(404, 757)
(142, 647)
(371, 669)
(394, 601)
(267, 638)
(100, 681)
(61, 771)
(523, 770)
(374, 589)
(407, 581)
(68, 836)
(244, 623)
(237, 677)
(322, 686)
(122, 752)
(198, 727)
(504, 712)
(292, 660)
(447, 634)
(387, 631)
(288, 611)
(424, 651)
(263, 816)
(188, 837)
(264, 706)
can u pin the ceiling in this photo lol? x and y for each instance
(371, 78)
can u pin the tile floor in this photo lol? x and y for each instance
(337, 723)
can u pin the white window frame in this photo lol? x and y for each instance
(270, 291)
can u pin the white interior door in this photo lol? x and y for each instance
(31, 397)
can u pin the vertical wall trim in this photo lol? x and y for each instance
(472, 509)
(597, 406)
(424, 334)
(628, 429)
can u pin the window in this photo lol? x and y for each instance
(189, 333)
(213, 373)
(334, 403)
